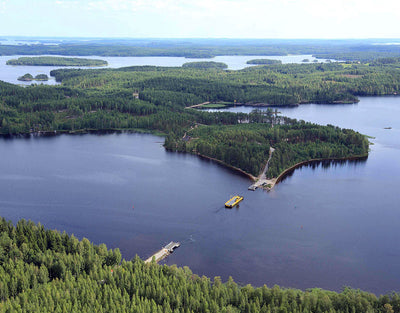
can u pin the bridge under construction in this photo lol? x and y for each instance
(164, 252)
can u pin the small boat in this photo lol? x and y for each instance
(233, 201)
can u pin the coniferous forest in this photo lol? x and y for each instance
(55, 61)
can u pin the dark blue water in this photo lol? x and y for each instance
(324, 226)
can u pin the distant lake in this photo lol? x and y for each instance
(326, 225)
(10, 73)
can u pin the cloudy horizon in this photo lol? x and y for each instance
(201, 19)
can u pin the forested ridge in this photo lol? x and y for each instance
(44, 270)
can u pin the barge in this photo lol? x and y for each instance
(233, 201)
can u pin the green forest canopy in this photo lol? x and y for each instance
(246, 145)
(29, 77)
(56, 61)
(43, 270)
(102, 99)
(341, 49)
(263, 61)
(205, 65)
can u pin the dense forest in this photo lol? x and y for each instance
(43, 270)
(55, 61)
(205, 65)
(28, 77)
(156, 99)
(246, 145)
(347, 50)
(279, 84)
(263, 61)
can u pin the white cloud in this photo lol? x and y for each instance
(261, 11)
(67, 3)
(117, 5)
(207, 18)
(3, 6)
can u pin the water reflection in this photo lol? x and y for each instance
(325, 164)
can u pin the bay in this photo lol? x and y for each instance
(327, 225)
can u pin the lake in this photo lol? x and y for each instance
(10, 73)
(326, 225)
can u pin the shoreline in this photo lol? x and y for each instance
(282, 175)
(236, 169)
(270, 105)
(267, 184)
(52, 133)
(263, 104)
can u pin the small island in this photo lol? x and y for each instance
(28, 77)
(264, 61)
(206, 65)
(56, 61)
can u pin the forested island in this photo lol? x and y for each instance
(106, 99)
(205, 65)
(43, 270)
(56, 61)
(28, 77)
(263, 61)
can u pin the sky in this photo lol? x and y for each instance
(201, 19)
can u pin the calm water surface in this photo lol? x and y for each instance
(10, 73)
(325, 226)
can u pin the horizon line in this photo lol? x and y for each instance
(199, 38)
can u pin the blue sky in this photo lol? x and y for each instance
(201, 19)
